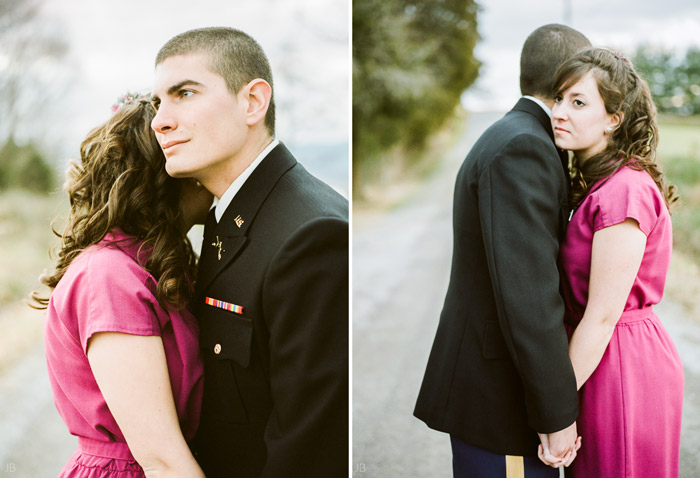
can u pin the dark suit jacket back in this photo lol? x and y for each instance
(499, 368)
(276, 372)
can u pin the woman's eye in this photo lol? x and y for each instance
(186, 93)
(579, 103)
(557, 99)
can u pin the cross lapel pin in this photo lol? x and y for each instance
(218, 244)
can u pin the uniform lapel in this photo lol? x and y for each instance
(530, 107)
(225, 240)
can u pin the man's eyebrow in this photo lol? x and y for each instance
(174, 89)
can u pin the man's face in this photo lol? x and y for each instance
(200, 124)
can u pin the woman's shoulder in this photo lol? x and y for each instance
(628, 181)
(630, 174)
(113, 257)
(628, 193)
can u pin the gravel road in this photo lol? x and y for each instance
(34, 442)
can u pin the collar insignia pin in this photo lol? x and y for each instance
(239, 221)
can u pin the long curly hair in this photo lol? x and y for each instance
(121, 182)
(633, 143)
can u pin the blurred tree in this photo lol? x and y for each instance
(412, 60)
(31, 53)
(25, 167)
(674, 79)
(689, 71)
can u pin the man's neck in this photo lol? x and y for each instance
(219, 180)
(549, 102)
(222, 202)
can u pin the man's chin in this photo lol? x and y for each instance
(176, 172)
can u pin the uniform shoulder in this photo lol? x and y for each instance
(307, 197)
(516, 129)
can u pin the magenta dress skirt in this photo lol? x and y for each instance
(630, 408)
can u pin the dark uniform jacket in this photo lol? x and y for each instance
(499, 369)
(272, 304)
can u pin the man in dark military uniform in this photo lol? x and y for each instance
(499, 379)
(272, 290)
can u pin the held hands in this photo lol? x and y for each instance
(559, 448)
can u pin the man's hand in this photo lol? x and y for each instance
(559, 448)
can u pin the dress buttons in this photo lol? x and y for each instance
(217, 349)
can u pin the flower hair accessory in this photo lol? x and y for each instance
(128, 98)
(622, 56)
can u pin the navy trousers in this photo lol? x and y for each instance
(472, 462)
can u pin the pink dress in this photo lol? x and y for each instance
(105, 290)
(630, 407)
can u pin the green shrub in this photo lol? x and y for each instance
(24, 167)
(412, 60)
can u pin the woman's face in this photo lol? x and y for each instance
(195, 202)
(580, 120)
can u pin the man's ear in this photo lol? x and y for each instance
(258, 93)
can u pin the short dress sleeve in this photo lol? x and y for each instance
(119, 296)
(627, 194)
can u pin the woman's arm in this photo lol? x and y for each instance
(616, 256)
(132, 374)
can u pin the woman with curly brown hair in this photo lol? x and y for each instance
(614, 262)
(121, 347)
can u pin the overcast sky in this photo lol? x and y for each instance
(114, 43)
(620, 24)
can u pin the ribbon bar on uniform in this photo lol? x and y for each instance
(224, 305)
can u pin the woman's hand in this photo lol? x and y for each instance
(548, 459)
(559, 448)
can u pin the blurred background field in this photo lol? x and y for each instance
(679, 152)
(24, 242)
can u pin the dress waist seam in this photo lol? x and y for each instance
(105, 449)
(628, 316)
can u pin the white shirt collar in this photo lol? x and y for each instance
(539, 102)
(222, 204)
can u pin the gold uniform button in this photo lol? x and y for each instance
(217, 349)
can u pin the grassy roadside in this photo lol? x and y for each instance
(386, 185)
(25, 238)
(679, 152)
